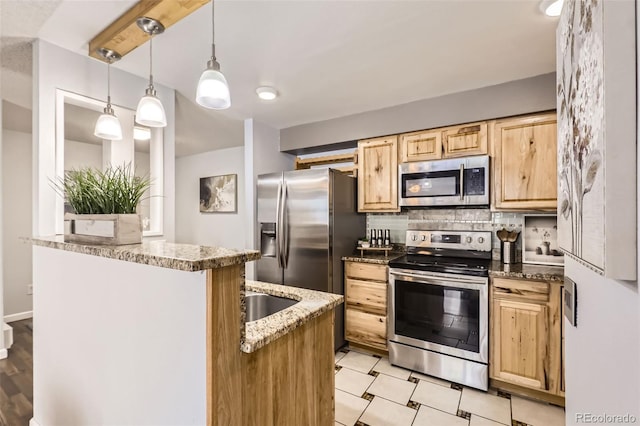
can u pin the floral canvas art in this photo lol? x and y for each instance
(596, 135)
(580, 131)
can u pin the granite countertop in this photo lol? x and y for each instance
(526, 271)
(184, 257)
(311, 305)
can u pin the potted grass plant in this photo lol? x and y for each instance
(104, 205)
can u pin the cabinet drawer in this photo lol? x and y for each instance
(523, 290)
(367, 271)
(367, 296)
(366, 329)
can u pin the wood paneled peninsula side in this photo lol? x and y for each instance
(155, 333)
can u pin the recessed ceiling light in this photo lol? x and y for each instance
(141, 133)
(551, 7)
(267, 93)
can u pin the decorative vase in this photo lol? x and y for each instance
(545, 248)
(103, 229)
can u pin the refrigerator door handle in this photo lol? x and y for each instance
(279, 225)
(285, 228)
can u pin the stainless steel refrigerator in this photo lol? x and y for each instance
(307, 221)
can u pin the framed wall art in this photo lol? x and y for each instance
(219, 194)
(596, 107)
(540, 240)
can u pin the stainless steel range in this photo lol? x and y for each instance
(439, 309)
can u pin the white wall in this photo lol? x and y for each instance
(213, 229)
(57, 68)
(16, 221)
(602, 353)
(126, 348)
(3, 350)
(78, 155)
(261, 155)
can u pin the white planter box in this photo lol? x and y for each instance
(111, 229)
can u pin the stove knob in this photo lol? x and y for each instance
(469, 240)
(423, 238)
(481, 240)
(414, 238)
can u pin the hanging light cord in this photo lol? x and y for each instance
(151, 61)
(109, 84)
(213, 31)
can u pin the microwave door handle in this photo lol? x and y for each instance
(461, 182)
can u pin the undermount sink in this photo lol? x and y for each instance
(260, 305)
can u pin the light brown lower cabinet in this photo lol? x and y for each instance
(526, 338)
(366, 304)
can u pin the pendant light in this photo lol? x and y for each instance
(108, 126)
(150, 111)
(213, 90)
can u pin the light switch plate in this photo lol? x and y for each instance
(570, 301)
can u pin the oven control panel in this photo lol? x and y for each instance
(459, 240)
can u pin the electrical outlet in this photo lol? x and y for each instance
(29, 288)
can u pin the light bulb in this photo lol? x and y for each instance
(108, 127)
(141, 133)
(267, 93)
(552, 8)
(213, 90)
(150, 112)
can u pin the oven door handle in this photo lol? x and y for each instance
(443, 281)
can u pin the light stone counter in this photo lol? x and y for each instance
(527, 271)
(311, 305)
(183, 257)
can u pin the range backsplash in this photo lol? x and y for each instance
(447, 219)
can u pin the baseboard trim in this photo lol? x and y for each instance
(18, 317)
(3, 353)
(7, 330)
(33, 422)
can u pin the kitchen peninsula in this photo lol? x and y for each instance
(155, 333)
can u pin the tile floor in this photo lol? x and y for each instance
(370, 391)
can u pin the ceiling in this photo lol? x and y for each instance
(326, 58)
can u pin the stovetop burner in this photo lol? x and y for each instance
(462, 266)
(453, 252)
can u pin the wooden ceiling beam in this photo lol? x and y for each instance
(123, 34)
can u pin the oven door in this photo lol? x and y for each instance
(460, 181)
(445, 313)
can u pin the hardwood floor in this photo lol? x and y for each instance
(16, 377)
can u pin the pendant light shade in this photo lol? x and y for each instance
(150, 111)
(213, 89)
(108, 126)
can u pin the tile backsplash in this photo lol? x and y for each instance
(447, 219)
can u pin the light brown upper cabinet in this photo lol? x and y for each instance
(525, 162)
(466, 139)
(378, 175)
(444, 142)
(421, 146)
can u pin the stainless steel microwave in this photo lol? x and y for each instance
(453, 182)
